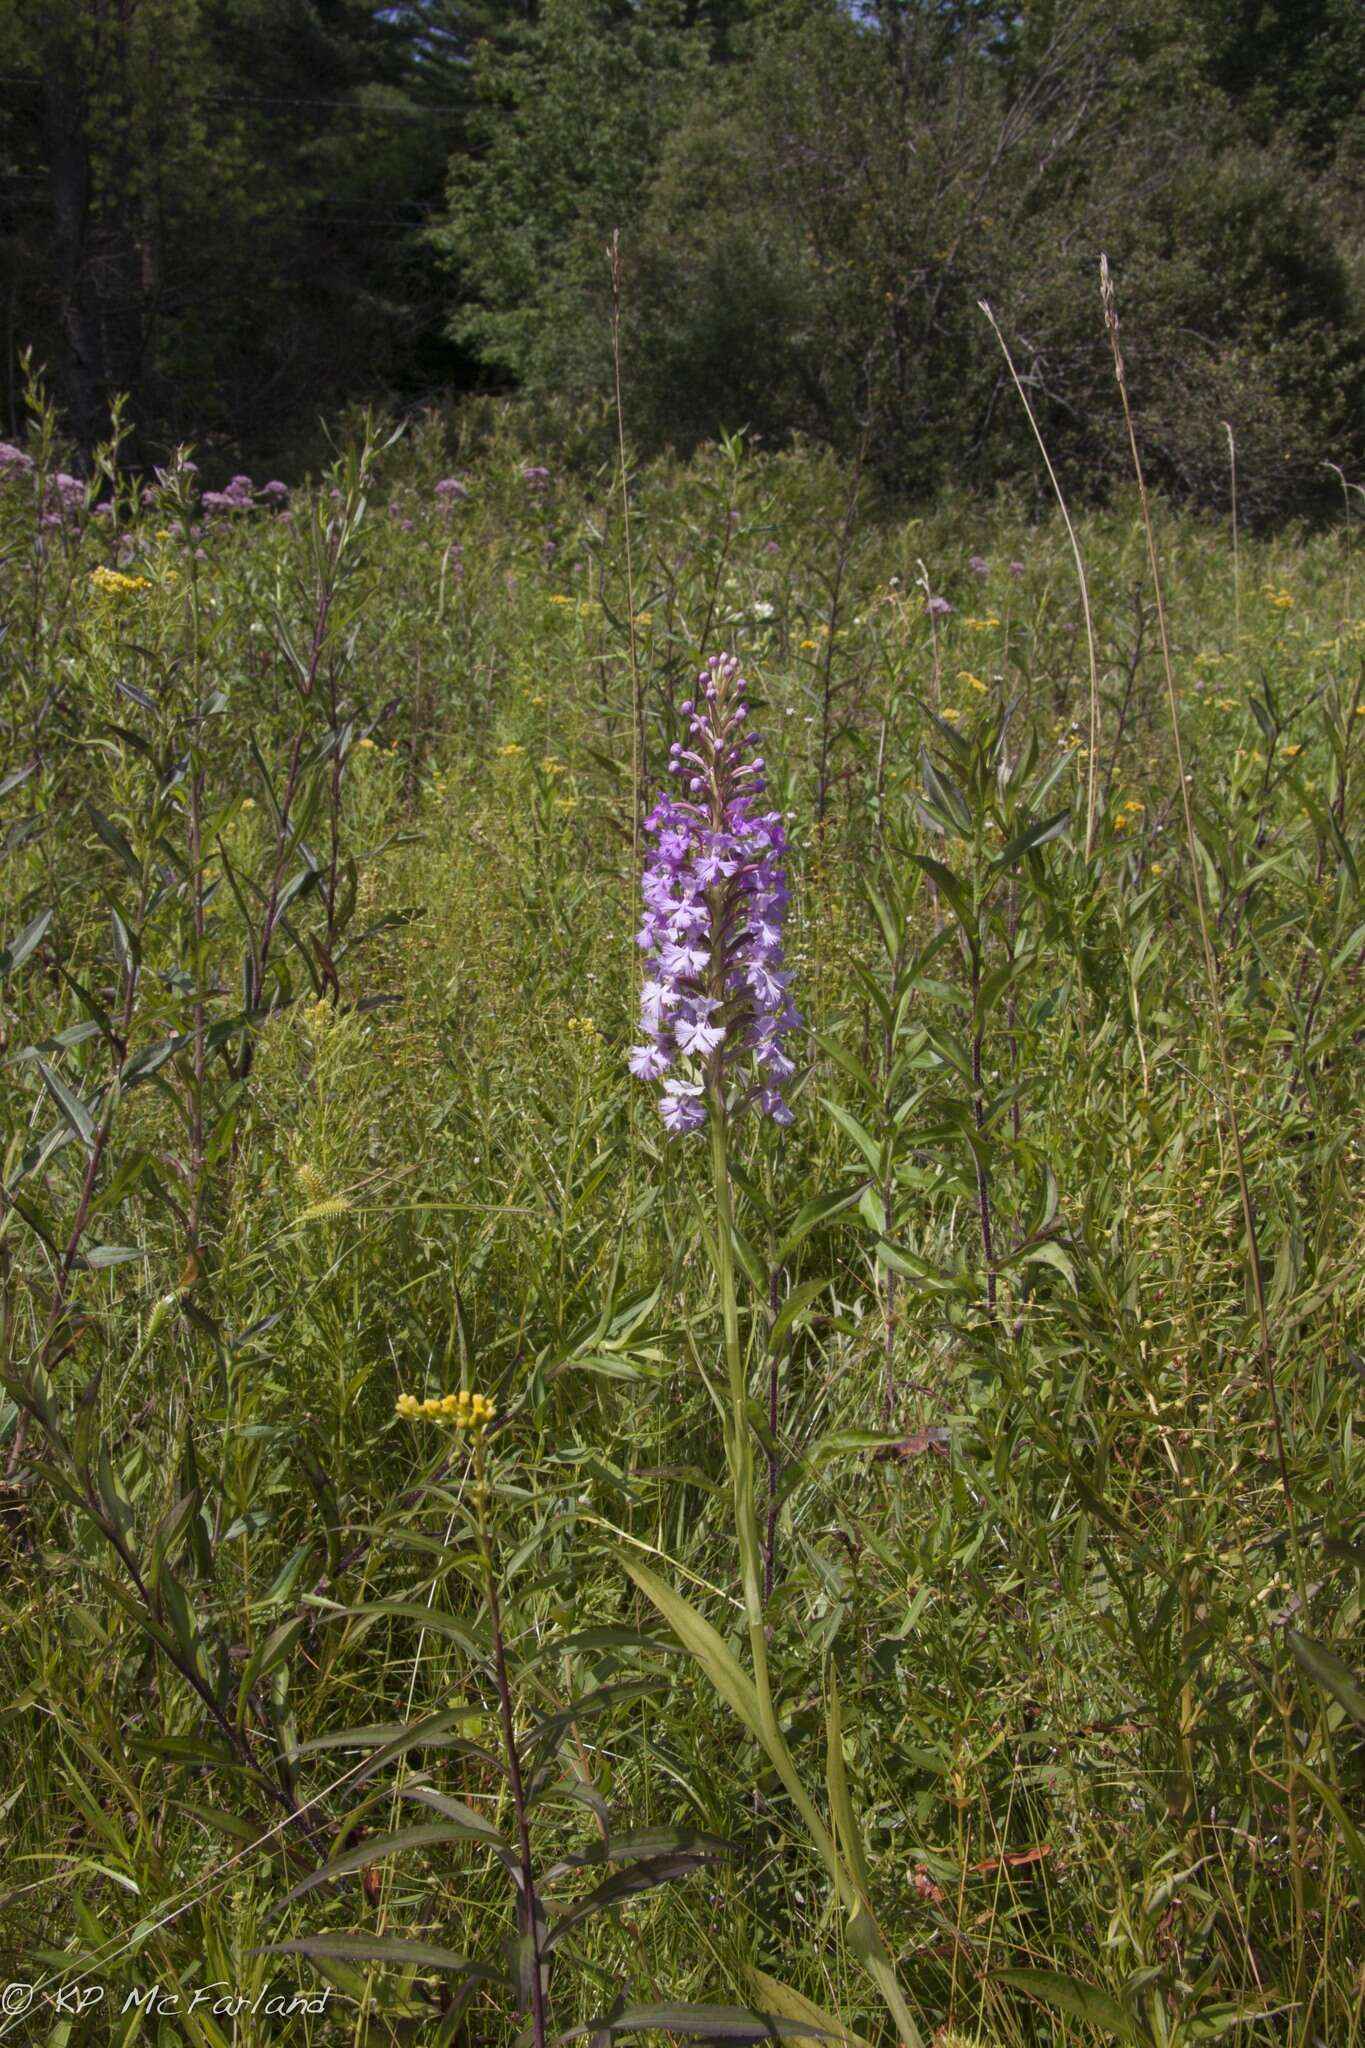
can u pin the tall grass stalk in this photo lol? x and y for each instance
(1091, 781)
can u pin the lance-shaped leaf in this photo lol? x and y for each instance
(72, 1108)
(1327, 1670)
(638, 1877)
(775, 1997)
(375, 1848)
(1071, 1995)
(637, 1844)
(17, 950)
(700, 2023)
(1033, 836)
(696, 1634)
(381, 1948)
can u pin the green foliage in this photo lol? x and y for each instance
(572, 117)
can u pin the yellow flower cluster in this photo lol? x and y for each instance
(559, 598)
(1291, 750)
(981, 625)
(509, 751)
(809, 646)
(950, 712)
(114, 584)
(472, 1412)
(964, 675)
(550, 766)
(1128, 814)
(585, 1026)
(1283, 600)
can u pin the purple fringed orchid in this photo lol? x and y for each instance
(715, 999)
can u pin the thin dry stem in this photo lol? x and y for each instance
(1091, 779)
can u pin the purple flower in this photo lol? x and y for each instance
(938, 607)
(1016, 568)
(275, 493)
(234, 497)
(979, 566)
(715, 998)
(535, 478)
(13, 461)
(449, 489)
(455, 558)
(681, 1106)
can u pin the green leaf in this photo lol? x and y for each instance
(102, 1255)
(696, 1634)
(797, 1301)
(851, 1128)
(1071, 1995)
(456, 1810)
(945, 795)
(847, 1831)
(115, 840)
(820, 1209)
(949, 887)
(748, 1258)
(152, 1057)
(791, 2005)
(642, 1876)
(18, 949)
(700, 2022)
(1035, 835)
(267, 1654)
(71, 1106)
(380, 1948)
(375, 1848)
(1328, 1671)
(637, 1845)
(434, 1620)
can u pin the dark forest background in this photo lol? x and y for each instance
(251, 214)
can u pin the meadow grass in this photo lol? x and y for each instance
(318, 905)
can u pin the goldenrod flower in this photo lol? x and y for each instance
(470, 1412)
(114, 584)
(810, 646)
(950, 711)
(506, 753)
(558, 598)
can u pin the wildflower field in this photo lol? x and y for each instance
(717, 1404)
